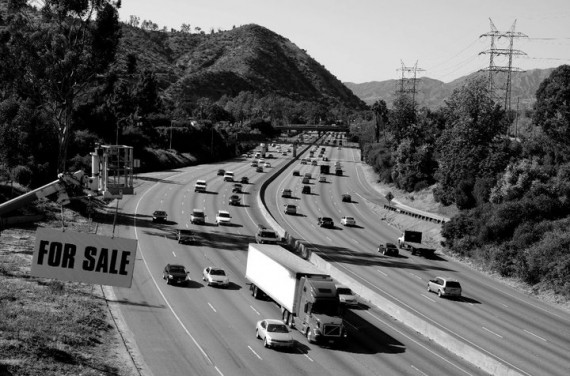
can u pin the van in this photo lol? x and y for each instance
(200, 186)
(229, 176)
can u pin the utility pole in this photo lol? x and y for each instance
(406, 84)
(493, 52)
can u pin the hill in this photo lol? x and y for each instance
(432, 93)
(246, 58)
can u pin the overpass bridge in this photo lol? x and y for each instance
(312, 127)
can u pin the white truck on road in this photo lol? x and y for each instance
(306, 295)
(412, 241)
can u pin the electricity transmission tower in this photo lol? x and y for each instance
(407, 84)
(494, 51)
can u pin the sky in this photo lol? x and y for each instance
(376, 40)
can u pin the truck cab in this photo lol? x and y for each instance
(318, 316)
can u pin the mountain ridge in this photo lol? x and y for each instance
(246, 58)
(432, 93)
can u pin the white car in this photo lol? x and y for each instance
(215, 276)
(348, 221)
(267, 164)
(346, 296)
(223, 217)
(274, 333)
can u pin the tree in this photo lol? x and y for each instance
(473, 124)
(402, 117)
(55, 55)
(552, 111)
(381, 115)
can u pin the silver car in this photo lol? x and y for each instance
(274, 333)
(444, 287)
(215, 277)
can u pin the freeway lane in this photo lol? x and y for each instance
(208, 331)
(529, 335)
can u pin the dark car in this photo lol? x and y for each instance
(174, 273)
(245, 180)
(388, 249)
(306, 190)
(185, 236)
(221, 172)
(234, 200)
(159, 216)
(346, 198)
(296, 173)
(325, 222)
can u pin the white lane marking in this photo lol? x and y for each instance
(158, 287)
(306, 355)
(356, 241)
(254, 353)
(492, 332)
(255, 310)
(386, 323)
(381, 272)
(217, 369)
(417, 370)
(417, 276)
(211, 306)
(537, 336)
(174, 254)
(428, 298)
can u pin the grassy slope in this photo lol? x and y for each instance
(49, 327)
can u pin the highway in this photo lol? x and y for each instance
(209, 331)
(529, 336)
(204, 330)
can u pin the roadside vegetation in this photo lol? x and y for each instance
(513, 192)
(50, 327)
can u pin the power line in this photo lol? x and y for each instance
(408, 85)
(494, 51)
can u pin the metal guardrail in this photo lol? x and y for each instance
(416, 215)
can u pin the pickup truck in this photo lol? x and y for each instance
(266, 236)
(412, 241)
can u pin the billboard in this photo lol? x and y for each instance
(83, 257)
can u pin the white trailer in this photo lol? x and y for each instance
(276, 272)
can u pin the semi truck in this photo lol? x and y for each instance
(307, 296)
(412, 241)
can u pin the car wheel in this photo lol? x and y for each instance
(257, 334)
(308, 335)
(429, 290)
(265, 343)
(439, 293)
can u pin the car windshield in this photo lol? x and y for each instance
(390, 245)
(344, 291)
(326, 307)
(325, 219)
(176, 269)
(158, 212)
(453, 284)
(217, 272)
(277, 328)
(268, 234)
(198, 214)
(224, 215)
